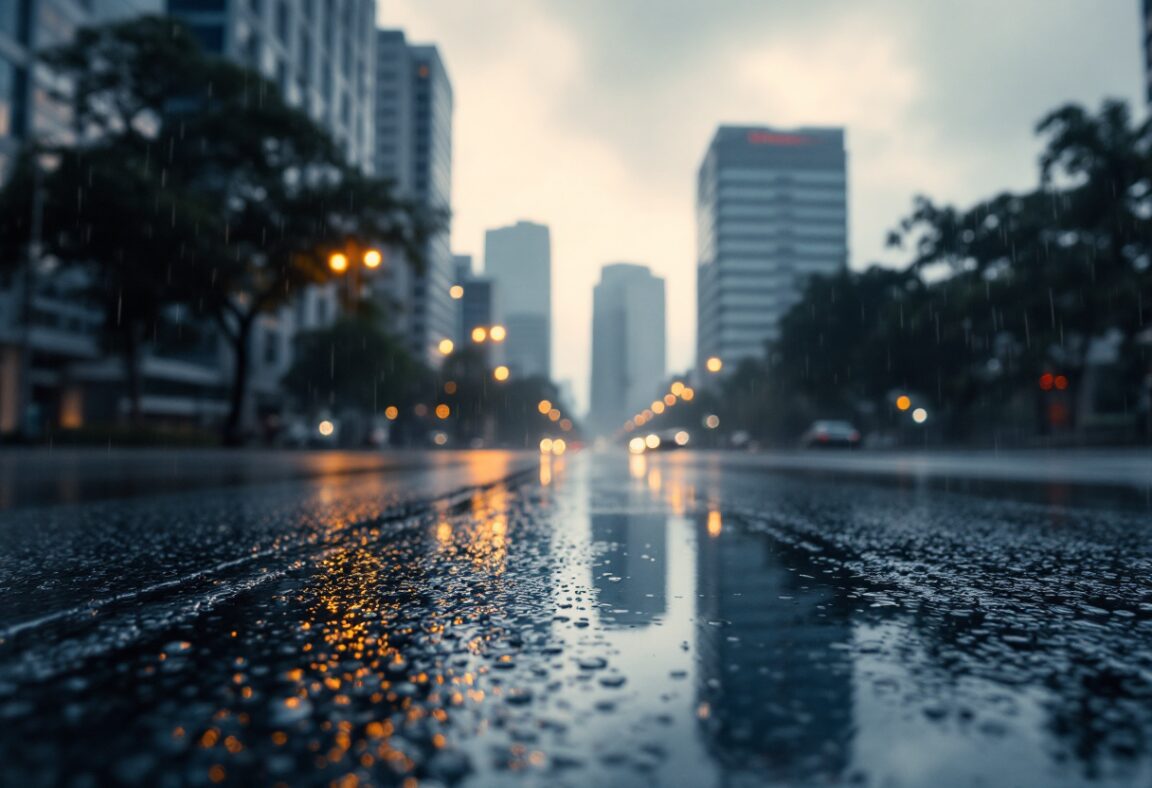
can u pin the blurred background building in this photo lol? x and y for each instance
(414, 148)
(474, 299)
(628, 344)
(518, 260)
(771, 208)
(1147, 37)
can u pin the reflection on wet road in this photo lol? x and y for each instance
(603, 620)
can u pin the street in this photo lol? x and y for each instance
(497, 618)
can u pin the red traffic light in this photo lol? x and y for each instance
(1047, 380)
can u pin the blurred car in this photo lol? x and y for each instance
(830, 435)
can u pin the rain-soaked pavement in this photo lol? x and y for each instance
(595, 619)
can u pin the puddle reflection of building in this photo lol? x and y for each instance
(630, 574)
(774, 680)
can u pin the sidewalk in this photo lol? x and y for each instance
(1130, 468)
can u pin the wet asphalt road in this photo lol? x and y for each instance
(497, 619)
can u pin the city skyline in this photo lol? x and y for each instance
(588, 129)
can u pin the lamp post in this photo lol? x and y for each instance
(341, 263)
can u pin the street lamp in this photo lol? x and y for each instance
(446, 346)
(714, 364)
(501, 373)
(497, 333)
(340, 263)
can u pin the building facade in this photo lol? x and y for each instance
(413, 147)
(518, 260)
(771, 211)
(321, 55)
(1146, 37)
(628, 344)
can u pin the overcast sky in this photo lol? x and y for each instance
(592, 116)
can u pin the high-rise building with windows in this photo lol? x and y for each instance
(320, 53)
(413, 147)
(1146, 37)
(518, 259)
(628, 344)
(771, 210)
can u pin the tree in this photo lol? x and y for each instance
(354, 364)
(103, 213)
(1062, 264)
(260, 195)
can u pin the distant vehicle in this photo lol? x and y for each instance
(830, 435)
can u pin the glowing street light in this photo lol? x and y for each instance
(657, 407)
(501, 373)
(652, 441)
(714, 364)
(682, 437)
(446, 346)
(325, 428)
(545, 445)
(544, 406)
(903, 402)
(338, 262)
(456, 291)
(373, 258)
(920, 415)
(479, 334)
(391, 412)
(498, 333)
(711, 421)
(636, 445)
(443, 411)
(676, 389)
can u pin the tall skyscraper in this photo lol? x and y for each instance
(1147, 19)
(518, 259)
(628, 344)
(414, 148)
(320, 53)
(771, 211)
